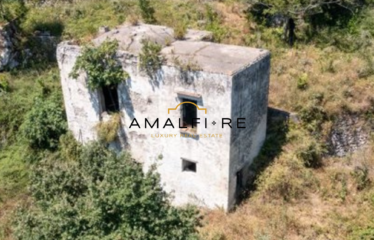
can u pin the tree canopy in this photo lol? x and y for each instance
(102, 195)
(303, 7)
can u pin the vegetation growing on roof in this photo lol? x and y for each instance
(150, 59)
(101, 65)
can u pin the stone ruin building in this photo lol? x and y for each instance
(226, 90)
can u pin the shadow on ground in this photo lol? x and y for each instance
(277, 129)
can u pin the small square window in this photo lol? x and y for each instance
(188, 166)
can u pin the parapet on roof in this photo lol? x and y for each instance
(195, 48)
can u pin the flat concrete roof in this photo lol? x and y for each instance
(213, 57)
(130, 37)
(207, 56)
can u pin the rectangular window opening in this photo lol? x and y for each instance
(189, 112)
(188, 166)
(110, 95)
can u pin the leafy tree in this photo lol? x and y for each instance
(316, 12)
(101, 196)
(101, 65)
(302, 8)
(44, 124)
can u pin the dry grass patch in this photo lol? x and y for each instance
(327, 75)
(293, 201)
(7, 211)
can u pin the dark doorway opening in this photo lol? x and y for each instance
(110, 94)
(189, 112)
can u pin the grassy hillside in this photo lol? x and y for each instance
(300, 190)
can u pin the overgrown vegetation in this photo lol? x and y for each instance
(107, 131)
(186, 66)
(299, 192)
(44, 124)
(33, 94)
(101, 196)
(101, 66)
(150, 59)
(11, 10)
(180, 30)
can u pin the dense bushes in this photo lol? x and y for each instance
(44, 124)
(327, 23)
(101, 196)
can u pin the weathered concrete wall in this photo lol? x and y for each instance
(230, 82)
(81, 105)
(142, 98)
(249, 101)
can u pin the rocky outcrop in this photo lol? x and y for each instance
(349, 133)
(39, 47)
(8, 43)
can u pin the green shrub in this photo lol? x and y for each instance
(306, 147)
(361, 177)
(310, 152)
(76, 19)
(312, 115)
(11, 9)
(44, 124)
(180, 30)
(4, 84)
(147, 11)
(101, 65)
(302, 81)
(69, 148)
(102, 196)
(150, 59)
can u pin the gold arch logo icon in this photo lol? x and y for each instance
(204, 109)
